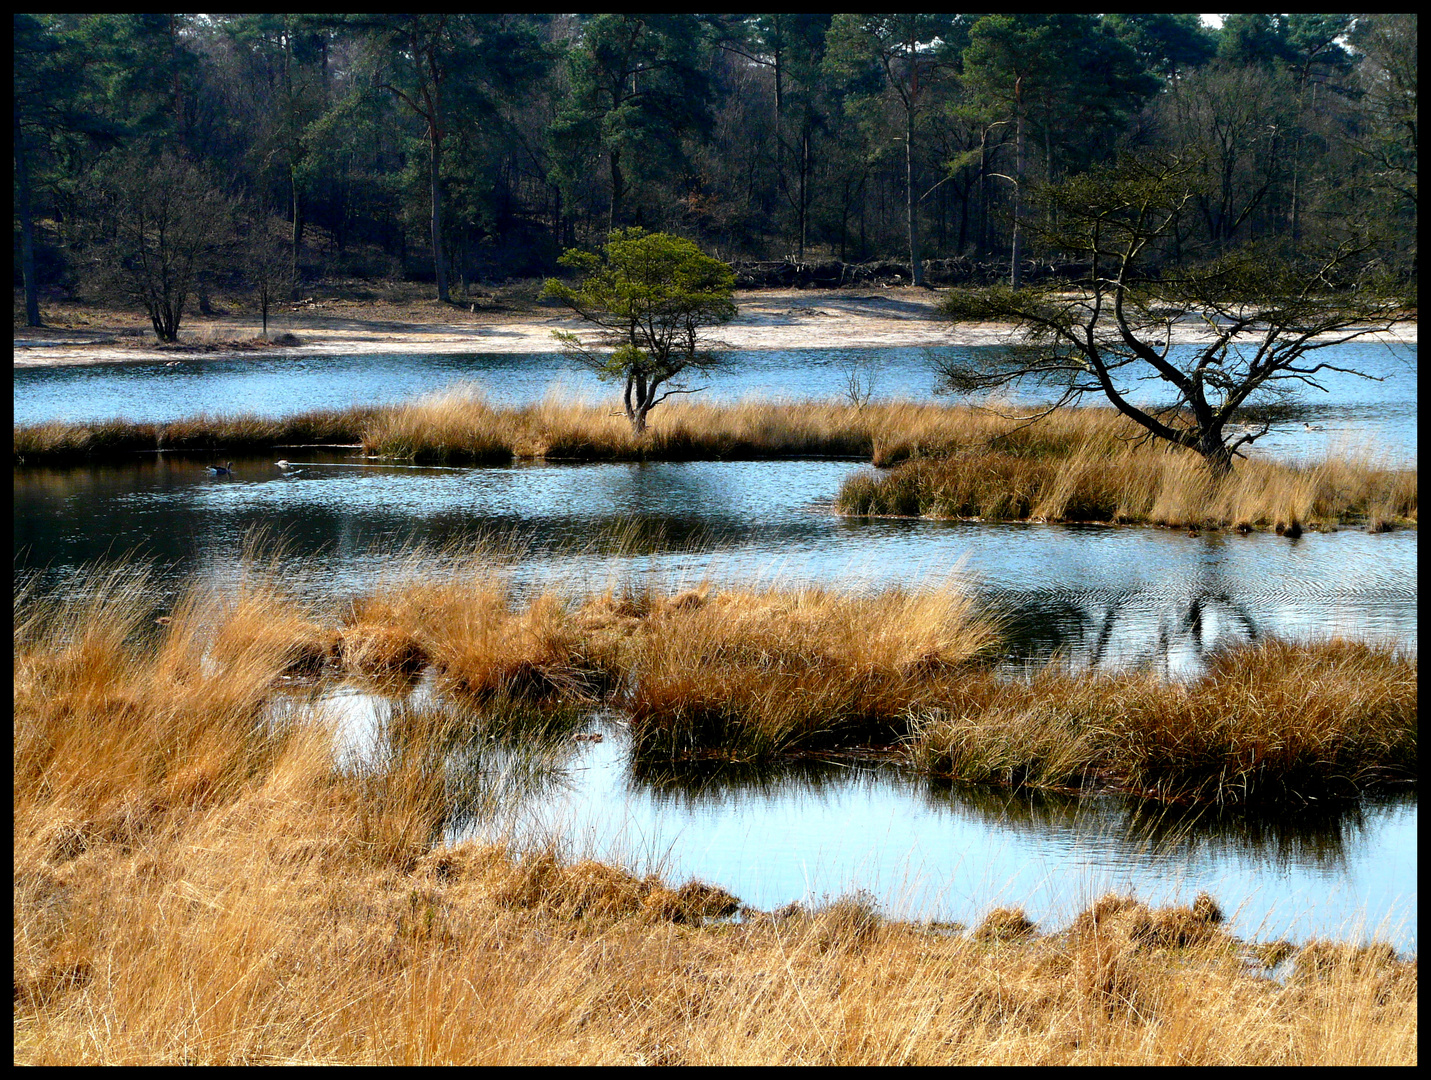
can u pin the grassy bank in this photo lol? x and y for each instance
(197, 881)
(63, 441)
(1086, 466)
(461, 426)
(952, 461)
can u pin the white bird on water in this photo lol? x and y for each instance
(281, 464)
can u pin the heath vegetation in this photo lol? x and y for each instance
(956, 461)
(202, 878)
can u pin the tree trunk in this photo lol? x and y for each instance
(916, 271)
(165, 314)
(437, 260)
(804, 187)
(27, 225)
(984, 194)
(636, 410)
(1214, 451)
(618, 190)
(1016, 249)
(297, 233)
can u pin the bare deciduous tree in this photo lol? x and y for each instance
(156, 224)
(268, 258)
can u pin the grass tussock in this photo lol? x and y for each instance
(57, 441)
(196, 882)
(1276, 721)
(1089, 467)
(460, 425)
(482, 640)
(751, 674)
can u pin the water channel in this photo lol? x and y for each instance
(1098, 597)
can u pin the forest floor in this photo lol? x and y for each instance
(398, 319)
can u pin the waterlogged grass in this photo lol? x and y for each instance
(1274, 721)
(1089, 467)
(952, 461)
(751, 674)
(58, 440)
(459, 425)
(199, 882)
(759, 673)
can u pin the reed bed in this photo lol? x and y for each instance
(1276, 721)
(459, 424)
(58, 441)
(197, 883)
(1104, 476)
(951, 461)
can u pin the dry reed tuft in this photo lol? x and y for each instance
(1273, 721)
(196, 883)
(466, 622)
(207, 433)
(1089, 466)
(1005, 924)
(750, 674)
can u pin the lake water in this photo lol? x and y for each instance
(1100, 597)
(814, 830)
(1379, 412)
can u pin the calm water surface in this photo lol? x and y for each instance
(1100, 597)
(1380, 413)
(1097, 595)
(815, 830)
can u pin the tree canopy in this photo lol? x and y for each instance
(457, 149)
(653, 298)
(1262, 320)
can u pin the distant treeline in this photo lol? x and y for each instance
(461, 148)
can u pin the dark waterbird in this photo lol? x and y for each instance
(225, 469)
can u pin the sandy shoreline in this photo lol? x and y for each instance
(769, 319)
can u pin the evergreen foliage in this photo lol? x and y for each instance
(470, 148)
(652, 297)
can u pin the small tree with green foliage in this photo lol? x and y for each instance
(653, 298)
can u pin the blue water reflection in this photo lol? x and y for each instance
(1097, 596)
(938, 852)
(1381, 414)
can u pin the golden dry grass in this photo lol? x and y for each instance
(1275, 720)
(197, 882)
(233, 433)
(750, 674)
(458, 424)
(1087, 466)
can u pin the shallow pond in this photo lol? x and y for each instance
(1097, 596)
(813, 830)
